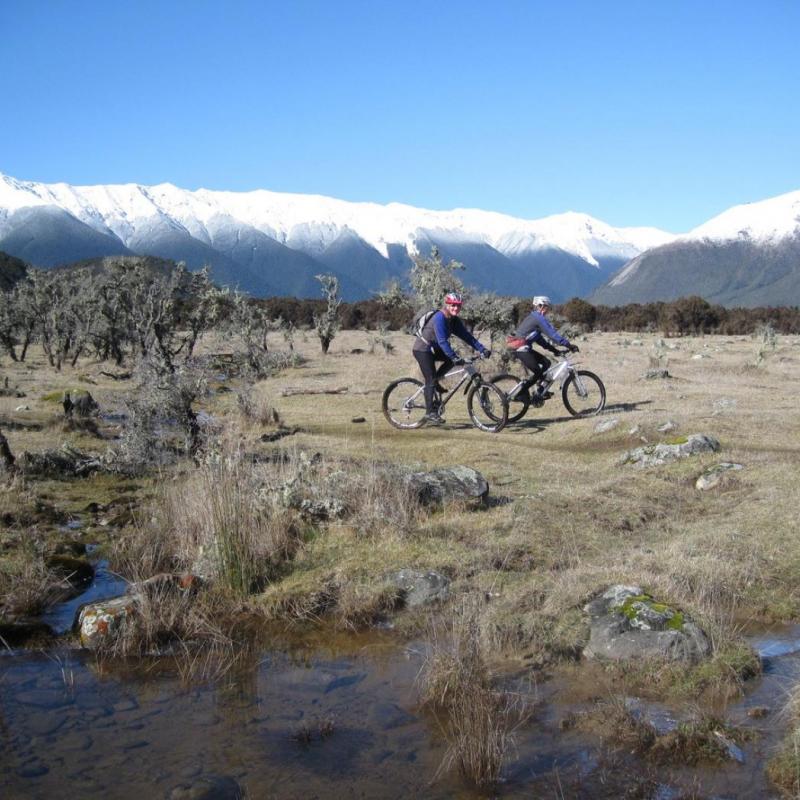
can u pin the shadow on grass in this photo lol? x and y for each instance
(533, 424)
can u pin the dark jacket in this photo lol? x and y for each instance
(437, 332)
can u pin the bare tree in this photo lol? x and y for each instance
(431, 279)
(327, 323)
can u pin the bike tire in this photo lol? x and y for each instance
(487, 407)
(587, 403)
(403, 403)
(518, 406)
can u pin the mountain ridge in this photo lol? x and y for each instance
(241, 236)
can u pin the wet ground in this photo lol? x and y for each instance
(328, 715)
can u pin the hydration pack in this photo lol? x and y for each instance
(420, 321)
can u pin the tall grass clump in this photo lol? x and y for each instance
(783, 769)
(256, 408)
(479, 720)
(243, 541)
(215, 523)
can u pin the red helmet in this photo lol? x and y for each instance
(453, 299)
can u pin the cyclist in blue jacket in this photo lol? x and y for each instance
(536, 329)
(433, 344)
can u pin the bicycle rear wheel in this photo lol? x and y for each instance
(517, 406)
(487, 407)
(403, 403)
(583, 394)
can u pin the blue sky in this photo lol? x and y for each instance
(639, 113)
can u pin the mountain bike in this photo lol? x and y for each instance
(403, 400)
(582, 392)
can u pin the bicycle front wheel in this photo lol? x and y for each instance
(583, 394)
(487, 407)
(403, 403)
(517, 406)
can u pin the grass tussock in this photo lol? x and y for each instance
(27, 587)
(215, 521)
(783, 769)
(478, 720)
(256, 408)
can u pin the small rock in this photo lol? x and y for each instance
(449, 484)
(606, 425)
(420, 588)
(208, 787)
(716, 475)
(668, 426)
(654, 455)
(99, 622)
(733, 750)
(657, 374)
(723, 404)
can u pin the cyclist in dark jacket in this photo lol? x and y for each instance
(433, 344)
(536, 329)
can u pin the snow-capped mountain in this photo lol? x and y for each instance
(274, 243)
(748, 255)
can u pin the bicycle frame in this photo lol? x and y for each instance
(559, 371)
(470, 373)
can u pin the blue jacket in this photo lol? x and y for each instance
(535, 327)
(437, 332)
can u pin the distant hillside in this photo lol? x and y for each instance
(11, 270)
(741, 272)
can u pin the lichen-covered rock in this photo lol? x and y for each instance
(420, 588)
(98, 623)
(716, 475)
(654, 455)
(626, 623)
(447, 485)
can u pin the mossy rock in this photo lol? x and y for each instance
(644, 612)
(627, 623)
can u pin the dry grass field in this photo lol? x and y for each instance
(565, 519)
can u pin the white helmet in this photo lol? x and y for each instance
(541, 300)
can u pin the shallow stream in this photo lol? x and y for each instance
(327, 715)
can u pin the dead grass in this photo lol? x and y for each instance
(478, 720)
(573, 520)
(783, 769)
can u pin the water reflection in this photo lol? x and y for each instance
(317, 713)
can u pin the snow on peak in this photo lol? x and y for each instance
(313, 222)
(766, 221)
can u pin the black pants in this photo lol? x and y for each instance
(536, 363)
(427, 365)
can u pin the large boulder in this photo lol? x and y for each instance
(654, 455)
(626, 623)
(448, 485)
